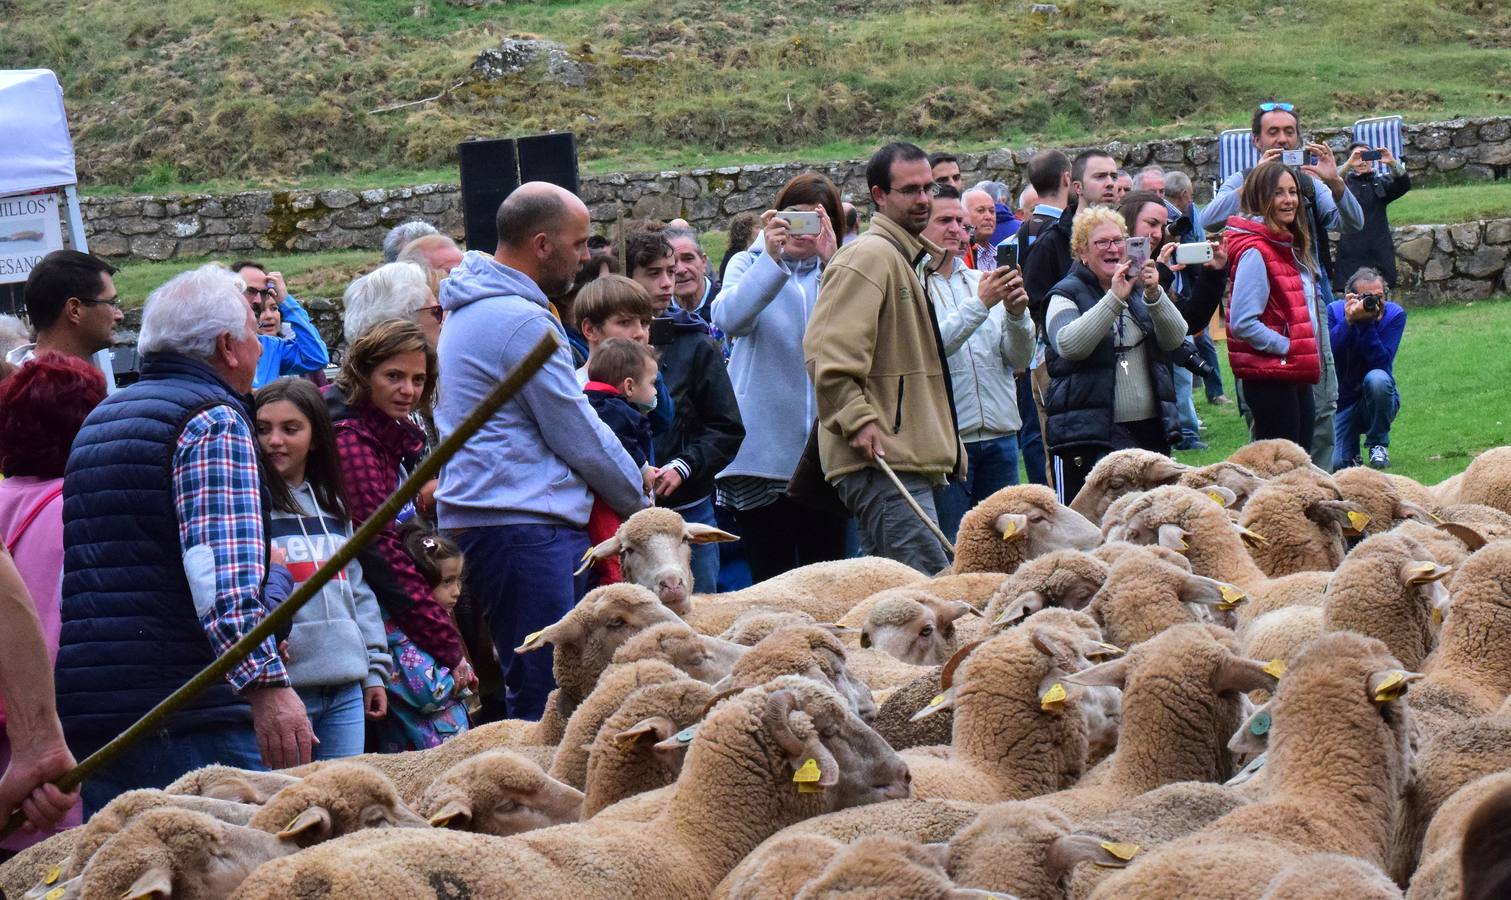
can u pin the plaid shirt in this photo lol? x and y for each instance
(215, 493)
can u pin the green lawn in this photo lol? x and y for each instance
(1451, 371)
(1446, 204)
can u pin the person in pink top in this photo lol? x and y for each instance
(42, 406)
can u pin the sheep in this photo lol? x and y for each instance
(1487, 480)
(1439, 877)
(1469, 674)
(341, 798)
(1388, 588)
(1448, 760)
(1271, 457)
(1063, 578)
(1016, 524)
(739, 774)
(779, 867)
(228, 783)
(1488, 522)
(802, 650)
(1123, 472)
(707, 659)
(1144, 595)
(569, 764)
(1446, 492)
(824, 590)
(1280, 634)
(914, 626)
(894, 715)
(749, 627)
(654, 547)
(1182, 700)
(1379, 497)
(180, 853)
(882, 865)
(1239, 481)
(641, 746)
(499, 793)
(1018, 730)
(1487, 848)
(975, 588)
(1325, 876)
(1446, 547)
(1338, 761)
(1414, 491)
(1303, 519)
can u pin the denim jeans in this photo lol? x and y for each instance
(336, 714)
(1370, 414)
(991, 466)
(522, 576)
(1185, 405)
(1208, 353)
(1030, 440)
(705, 562)
(735, 570)
(161, 757)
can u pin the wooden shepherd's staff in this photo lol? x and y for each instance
(426, 470)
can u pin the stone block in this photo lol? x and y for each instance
(1486, 262)
(1448, 160)
(338, 199)
(688, 188)
(657, 206)
(998, 160)
(1415, 248)
(1466, 136)
(434, 203)
(355, 218)
(199, 246)
(1432, 138)
(1498, 154)
(706, 209)
(1498, 231)
(109, 245)
(737, 203)
(302, 202)
(152, 209)
(1467, 289)
(220, 227)
(313, 225)
(1496, 130)
(136, 226)
(1477, 172)
(374, 196)
(186, 227)
(1168, 152)
(154, 248)
(1465, 236)
(126, 208)
(212, 209)
(239, 242)
(1438, 268)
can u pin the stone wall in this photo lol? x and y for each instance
(1438, 263)
(159, 228)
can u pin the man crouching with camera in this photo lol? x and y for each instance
(1366, 331)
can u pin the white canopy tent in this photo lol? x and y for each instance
(39, 153)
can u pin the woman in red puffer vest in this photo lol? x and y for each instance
(1272, 331)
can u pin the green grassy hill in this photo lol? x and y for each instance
(292, 91)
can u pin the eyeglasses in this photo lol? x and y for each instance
(917, 190)
(1109, 243)
(252, 292)
(1273, 105)
(437, 311)
(102, 301)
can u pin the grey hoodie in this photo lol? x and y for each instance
(539, 459)
(338, 636)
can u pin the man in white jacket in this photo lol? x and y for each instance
(987, 333)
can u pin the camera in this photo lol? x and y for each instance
(1373, 302)
(1186, 357)
(800, 222)
(1293, 158)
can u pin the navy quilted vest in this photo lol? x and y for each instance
(130, 635)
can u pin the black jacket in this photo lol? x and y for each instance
(1045, 260)
(1371, 245)
(1079, 407)
(1201, 293)
(630, 425)
(706, 427)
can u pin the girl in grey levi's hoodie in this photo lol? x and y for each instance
(336, 653)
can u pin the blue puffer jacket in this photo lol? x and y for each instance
(130, 634)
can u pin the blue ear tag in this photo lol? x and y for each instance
(1261, 724)
(685, 736)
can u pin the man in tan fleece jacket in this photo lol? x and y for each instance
(873, 351)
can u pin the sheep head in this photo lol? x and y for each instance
(1304, 520)
(1271, 457)
(914, 626)
(1189, 522)
(1064, 578)
(586, 638)
(886, 866)
(1149, 589)
(654, 547)
(704, 658)
(640, 747)
(806, 650)
(1026, 848)
(1019, 523)
(335, 799)
(1230, 476)
(499, 793)
(1377, 495)
(228, 783)
(1123, 472)
(1390, 588)
(170, 852)
(751, 626)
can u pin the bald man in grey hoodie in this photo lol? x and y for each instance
(517, 496)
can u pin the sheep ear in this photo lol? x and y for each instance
(1110, 674)
(1054, 646)
(947, 611)
(1343, 513)
(1251, 539)
(456, 813)
(1237, 673)
(658, 728)
(1417, 572)
(1164, 471)
(1405, 509)
(604, 550)
(1070, 850)
(1026, 605)
(1390, 684)
(154, 884)
(1011, 525)
(1210, 592)
(1220, 495)
(1253, 736)
(695, 533)
(1471, 538)
(940, 703)
(839, 630)
(564, 632)
(1173, 537)
(312, 824)
(947, 674)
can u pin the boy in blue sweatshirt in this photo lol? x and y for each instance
(303, 350)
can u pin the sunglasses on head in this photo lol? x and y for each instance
(1273, 105)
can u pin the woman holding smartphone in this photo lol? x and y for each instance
(1109, 326)
(1272, 332)
(768, 294)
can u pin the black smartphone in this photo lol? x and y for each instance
(663, 332)
(1007, 255)
(1370, 156)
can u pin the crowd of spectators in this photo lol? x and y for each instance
(963, 333)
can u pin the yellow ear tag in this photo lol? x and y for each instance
(1357, 520)
(938, 699)
(1053, 698)
(530, 638)
(807, 777)
(1437, 615)
(1231, 596)
(53, 875)
(1105, 649)
(1010, 530)
(1253, 538)
(1391, 688)
(1275, 668)
(1121, 850)
(1217, 498)
(54, 894)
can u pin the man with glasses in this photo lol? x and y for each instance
(291, 345)
(877, 361)
(73, 307)
(1328, 206)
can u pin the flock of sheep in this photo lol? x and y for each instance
(1251, 680)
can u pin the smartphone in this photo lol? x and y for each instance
(1193, 254)
(663, 331)
(801, 222)
(1007, 255)
(1370, 156)
(1293, 158)
(1137, 250)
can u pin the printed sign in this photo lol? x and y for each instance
(29, 230)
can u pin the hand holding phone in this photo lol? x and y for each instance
(1370, 155)
(1293, 158)
(1193, 254)
(1137, 251)
(1007, 255)
(801, 222)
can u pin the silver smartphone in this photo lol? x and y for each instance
(1193, 254)
(1137, 250)
(1293, 158)
(801, 221)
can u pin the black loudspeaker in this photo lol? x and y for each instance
(490, 172)
(549, 157)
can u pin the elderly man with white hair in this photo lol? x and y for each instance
(166, 554)
(401, 235)
(399, 290)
